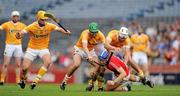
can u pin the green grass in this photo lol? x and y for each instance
(79, 90)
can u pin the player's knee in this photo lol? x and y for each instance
(18, 65)
(110, 82)
(5, 65)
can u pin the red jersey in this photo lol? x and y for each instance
(116, 63)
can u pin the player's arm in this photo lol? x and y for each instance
(85, 45)
(147, 49)
(127, 56)
(20, 34)
(108, 45)
(3, 26)
(103, 39)
(62, 30)
(85, 48)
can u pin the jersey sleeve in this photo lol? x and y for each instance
(52, 27)
(132, 39)
(1, 27)
(147, 38)
(102, 37)
(128, 42)
(28, 28)
(4, 26)
(110, 34)
(84, 36)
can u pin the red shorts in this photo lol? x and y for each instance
(116, 63)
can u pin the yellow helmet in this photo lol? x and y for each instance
(40, 15)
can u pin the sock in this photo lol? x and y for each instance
(24, 74)
(2, 77)
(17, 79)
(41, 73)
(90, 82)
(17, 75)
(100, 80)
(66, 78)
(100, 84)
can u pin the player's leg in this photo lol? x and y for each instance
(46, 57)
(113, 84)
(18, 55)
(72, 69)
(123, 87)
(144, 81)
(8, 52)
(100, 78)
(145, 66)
(28, 58)
(136, 67)
(93, 70)
(99, 73)
(4, 69)
(18, 64)
(96, 73)
(136, 63)
(25, 65)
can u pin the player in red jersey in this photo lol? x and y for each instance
(121, 71)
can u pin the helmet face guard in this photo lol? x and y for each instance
(122, 36)
(123, 33)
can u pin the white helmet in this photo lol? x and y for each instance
(123, 32)
(15, 13)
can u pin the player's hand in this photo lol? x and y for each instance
(90, 58)
(18, 35)
(68, 32)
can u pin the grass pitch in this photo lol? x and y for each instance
(79, 90)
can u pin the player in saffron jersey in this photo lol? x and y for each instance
(84, 49)
(141, 46)
(118, 41)
(120, 70)
(39, 32)
(13, 45)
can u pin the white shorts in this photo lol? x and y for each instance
(140, 57)
(82, 53)
(33, 53)
(13, 50)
